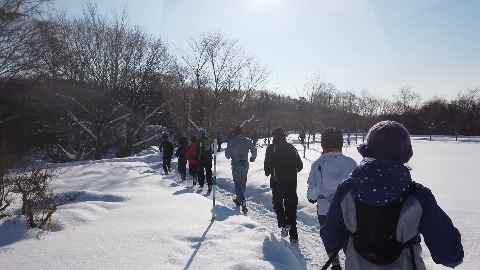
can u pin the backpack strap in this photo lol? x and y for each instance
(274, 159)
(409, 244)
(416, 239)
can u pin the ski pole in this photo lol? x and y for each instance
(214, 176)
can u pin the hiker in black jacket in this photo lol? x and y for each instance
(167, 152)
(205, 158)
(180, 154)
(282, 163)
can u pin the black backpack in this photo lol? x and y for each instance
(375, 238)
(181, 151)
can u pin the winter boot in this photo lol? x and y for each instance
(285, 230)
(237, 203)
(244, 207)
(336, 267)
(293, 234)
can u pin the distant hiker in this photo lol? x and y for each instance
(247, 134)
(329, 170)
(166, 148)
(219, 140)
(302, 137)
(171, 136)
(268, 137)
(205, 157)
(229, 136)
(382, 212)
(237, 150)
(282, 163)
(180, 154)
(191, 153)
(255, 138)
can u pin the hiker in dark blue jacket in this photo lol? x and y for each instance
(378, 181)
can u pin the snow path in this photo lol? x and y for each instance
(309, 249)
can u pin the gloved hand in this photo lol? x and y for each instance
(252, 159)
(312, 201)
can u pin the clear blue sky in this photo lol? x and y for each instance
(377, 45)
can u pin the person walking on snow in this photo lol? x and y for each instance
(282, 163)
(219, 140)
(237, 150)
(180, 154)
(191, 153)
(383, 181)
(302, 137)
(167, 152)
(205, 160)
(229, 136)
(326, 173)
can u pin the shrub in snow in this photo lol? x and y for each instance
(32, 182)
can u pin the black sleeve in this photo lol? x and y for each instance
(268, 164)
(170, 145)
(299, 161)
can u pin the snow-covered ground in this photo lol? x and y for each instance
(134, 217)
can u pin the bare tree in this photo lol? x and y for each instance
(406, 100)
(469, 106)
(16, 31)
(220, 69)
(125, 72)
(433, 115)
(196, 59)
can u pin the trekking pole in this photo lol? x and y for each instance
(330, 260)
(214, 176)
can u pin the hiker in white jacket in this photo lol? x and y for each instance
(329, 170)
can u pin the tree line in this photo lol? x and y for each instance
(87, 87)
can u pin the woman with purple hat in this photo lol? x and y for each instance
(379, 215)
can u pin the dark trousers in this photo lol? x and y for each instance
(166, 163)
(205, 169)
(182, 166)
(285, 201)
(193, 169)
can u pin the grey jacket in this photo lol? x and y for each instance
(237, 149)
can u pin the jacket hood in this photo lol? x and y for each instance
(378, 182)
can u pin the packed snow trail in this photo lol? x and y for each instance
(308, 250)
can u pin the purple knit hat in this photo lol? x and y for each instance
(388, 140)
